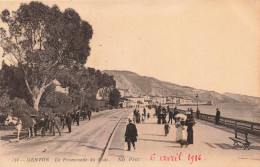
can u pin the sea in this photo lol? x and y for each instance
(241, 111)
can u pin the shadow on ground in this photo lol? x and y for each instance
(161, 141)
(229, 146)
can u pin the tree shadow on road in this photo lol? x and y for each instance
(153, 135)
(95, 148)
(117, 149)
(162, 141)
(176, 146)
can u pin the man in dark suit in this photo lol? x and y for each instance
(170, 116)
(89, 113)
(77, 117)
(175, 113)
(131, 134)
(69, 121)
(217, 116)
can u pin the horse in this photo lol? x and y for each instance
(21, 123)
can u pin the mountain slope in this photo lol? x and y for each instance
(154, 87)
(243, 98)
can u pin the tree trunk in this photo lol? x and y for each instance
(36, 100)
(37, 96)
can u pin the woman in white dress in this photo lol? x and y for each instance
(179, 130)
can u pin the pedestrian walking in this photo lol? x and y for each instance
(175, 113)
(148, 115)
(84, 115)
(77, 117)
(164, 114)
(89, 113)
(73, 115)
(144, 112)
(159, 115)
(190, 123)
(69, 121)
(135, 111)
(134, 118)
(143, 118)
(166, 128)
(62, 118)
(170, 116)
(131, 135)
(168, 108)
(180, 128)
(217, 116)
(138, 117)
(54, 125)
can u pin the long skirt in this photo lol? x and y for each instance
(190, 137)
(179, 134)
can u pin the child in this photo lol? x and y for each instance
(143, 118)
(134, 118)
(166, 128)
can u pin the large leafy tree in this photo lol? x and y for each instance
(13, 83)
(41, 41)
(114, 98)
(84, 83)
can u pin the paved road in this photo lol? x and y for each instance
(211, 144)
(88, 140)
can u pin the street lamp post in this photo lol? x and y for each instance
(197, 97)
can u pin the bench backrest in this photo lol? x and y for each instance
(241, 132)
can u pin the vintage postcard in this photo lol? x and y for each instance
(123, 83)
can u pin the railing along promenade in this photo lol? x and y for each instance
(252, 128)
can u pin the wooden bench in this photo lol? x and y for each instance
(237, 140)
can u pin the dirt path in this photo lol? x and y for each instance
(87, 140)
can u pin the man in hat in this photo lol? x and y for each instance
(89, 113)
(131, 134)
(69, 121)
(77, 117)
(170, 116)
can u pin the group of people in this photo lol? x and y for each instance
(184, 125)
(180, 125)
(50, 122)
(162, 112)
(138, 117)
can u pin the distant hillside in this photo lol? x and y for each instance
(154, 87)
(243, 98)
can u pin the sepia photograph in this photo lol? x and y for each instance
(130, 83)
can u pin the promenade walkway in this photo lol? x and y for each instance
(212, 147)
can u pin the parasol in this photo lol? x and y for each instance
(181, 116)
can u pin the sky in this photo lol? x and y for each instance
(206, 44)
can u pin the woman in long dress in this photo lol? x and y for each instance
(179, 134)
(190, 123)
